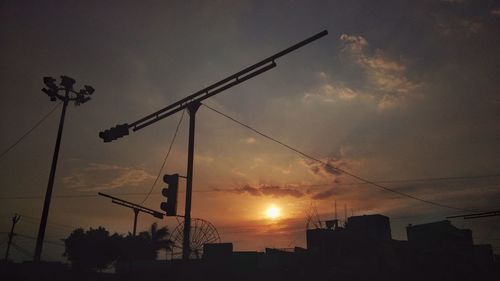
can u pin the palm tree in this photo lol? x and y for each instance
(160, 238)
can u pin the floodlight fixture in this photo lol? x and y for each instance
(67, 82)
(66, 85)
(90, 90)
(49, 82)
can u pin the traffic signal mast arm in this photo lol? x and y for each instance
(134, 206)
(224, 84)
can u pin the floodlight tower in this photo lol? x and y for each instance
(80, 97)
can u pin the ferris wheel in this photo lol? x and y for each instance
(202, 232)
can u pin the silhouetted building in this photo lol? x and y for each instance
(365, 240)
(442, 247)
(363, 247)
(217, 250)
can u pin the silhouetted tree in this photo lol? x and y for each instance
(93, 249)
(96, 249)
(137, 247)
(146, 244)
(159, 238)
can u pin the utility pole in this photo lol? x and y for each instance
(192, 103)
(15, 219)
(79, 98)
(192, 109)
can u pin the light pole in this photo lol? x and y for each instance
(80, 97)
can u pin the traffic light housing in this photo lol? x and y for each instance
(170, 207)
(114, 133)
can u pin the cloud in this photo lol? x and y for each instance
(327, 168)
(278, 191)
(457, 27)
(198, 158)
(98, 176)
(355, 44)
(495, 12)
(266, 190)
(249, 140)
(330, 92)
(385, 77)
(325, 194)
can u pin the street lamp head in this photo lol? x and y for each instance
(90, 90)
(49, 82)
(51, 93)
(81, 98)
(67, 82)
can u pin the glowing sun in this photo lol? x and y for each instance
(273, 212)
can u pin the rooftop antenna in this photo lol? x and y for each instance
(135, 207)
(192, 103)
(336, 217)
(345, 213)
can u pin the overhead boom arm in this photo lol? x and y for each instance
(224, 84)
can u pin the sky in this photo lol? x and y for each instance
(399, 92)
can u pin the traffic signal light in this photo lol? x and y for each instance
(115, 132)
(170, 207)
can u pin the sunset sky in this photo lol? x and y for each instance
(400, 92)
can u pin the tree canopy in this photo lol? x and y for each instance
(96, 249)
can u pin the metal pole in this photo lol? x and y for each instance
(15, 219)
(136, 213)
(50, 185)
(186, 250)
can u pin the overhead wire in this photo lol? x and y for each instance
(69, 196)
(328, 165)
(165, 159)
(34, 238)
(84, 195)
(30, 130)
(21, 249)
(36, 220)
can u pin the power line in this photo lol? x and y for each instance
(21, 250)
(164, 160)
(30, 130)
(77, 196)
(328, 165)
(37, 219)
(34, 238)
(424, 179)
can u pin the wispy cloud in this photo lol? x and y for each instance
(386, 77)
(459, 27)
(325, 194)
(330, 92)
(98, 176)
(249, 140)
(327, 168)
(266, 190)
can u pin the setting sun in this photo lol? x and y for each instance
(273, 212)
